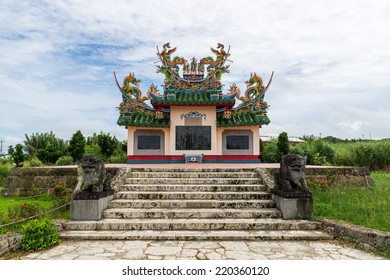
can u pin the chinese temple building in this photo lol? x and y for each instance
(193, 120)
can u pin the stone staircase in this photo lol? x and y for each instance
(193, 204)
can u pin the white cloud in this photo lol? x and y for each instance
(356, 125)
(331, 60)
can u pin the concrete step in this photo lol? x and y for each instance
(186, 213)
(193, 188)
(192, 181)
(151, 203)
(192, 175)
(192, 224)
(192, 195)
(296, 235)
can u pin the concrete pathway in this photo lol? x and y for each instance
(202, 250)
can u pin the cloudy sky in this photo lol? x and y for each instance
(331, 60)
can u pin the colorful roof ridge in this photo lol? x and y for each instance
(199, 85)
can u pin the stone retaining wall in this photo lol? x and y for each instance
(340, 176)
(366, 237)
(9, 242)
(21, 180)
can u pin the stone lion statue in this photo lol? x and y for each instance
(291, 175)
(92, 176)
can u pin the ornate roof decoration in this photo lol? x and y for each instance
(199, 84)
(193, 114)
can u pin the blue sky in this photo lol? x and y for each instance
(331, 60)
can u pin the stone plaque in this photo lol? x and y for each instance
(194, 121)
(193, 137)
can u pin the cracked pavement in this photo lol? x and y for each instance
(202, 250)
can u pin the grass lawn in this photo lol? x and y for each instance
(45, 201)
(360, 206)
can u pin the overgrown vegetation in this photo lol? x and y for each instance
(360, 206)
(16, 208)
(46, 149)
(24, 211)
(373, 154)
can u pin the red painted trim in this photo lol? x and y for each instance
(230, 157)
(205, 157)
(155, 157)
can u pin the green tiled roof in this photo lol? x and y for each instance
(238, 118)
(142, 119)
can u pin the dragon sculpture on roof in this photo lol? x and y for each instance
(194, 81)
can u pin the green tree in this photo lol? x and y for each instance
(49, 154)
(107, 144)
(283, 145)
(17, 155)
(45, 146)
(77, 146)
(262, 156)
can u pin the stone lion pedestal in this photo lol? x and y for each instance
(291, 192)
(93, 191)
(294, 205)
(88, 206)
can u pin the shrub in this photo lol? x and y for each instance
(314, 183)
(64, 160)
(39, 235)
(298, 149)
(317, 151)
(271, 152)
(94, 150)
(33, 162)
(23, 211)
(118, 157)
(320, 152)
(61, 192)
